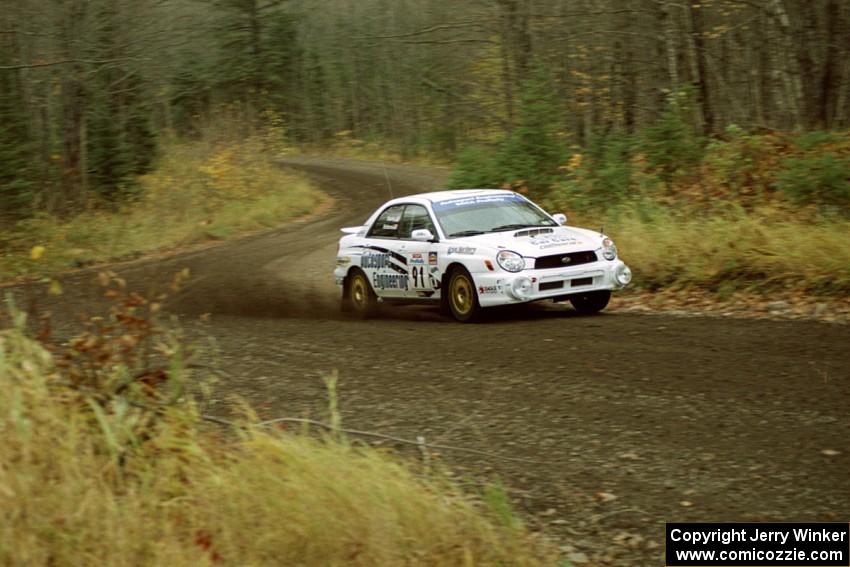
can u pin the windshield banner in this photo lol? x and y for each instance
(477, 200)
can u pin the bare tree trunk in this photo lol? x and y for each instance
(256, 48)
(831, 76)
(73, 105)
(790, 68)
(696, 41)
(669, 27)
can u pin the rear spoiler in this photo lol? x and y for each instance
(351, 229)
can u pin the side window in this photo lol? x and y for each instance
(415, 217)
(386, 225)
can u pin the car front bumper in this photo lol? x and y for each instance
(504, 288)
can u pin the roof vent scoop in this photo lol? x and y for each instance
(533, 232)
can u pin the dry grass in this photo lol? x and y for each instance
(199, 191)
(762, 250)
(345, 145)
(91, 480)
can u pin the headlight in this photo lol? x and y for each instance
(510, 261)
(609, 251)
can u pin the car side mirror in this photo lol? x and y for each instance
(560, 218)
(422, 235)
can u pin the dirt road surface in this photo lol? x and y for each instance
(617, 422)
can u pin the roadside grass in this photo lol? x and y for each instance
(200, 191)
(763, 250)
(758, 213)
(90, 476)
(345, 145)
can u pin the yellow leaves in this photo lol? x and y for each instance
(54, 288)
(37, 252)
(179, 279)
(236, 172)
(575, 162)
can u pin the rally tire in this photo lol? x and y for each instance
(591, 301)
(461, 296)
(358, 298)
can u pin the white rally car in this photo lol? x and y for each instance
(473, 249)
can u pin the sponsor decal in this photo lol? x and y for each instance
(432, 258)
(488, 289)
(417, 259)
(462, 250)
(554, 241)
(394, 255)
(390, 281)
(384, 259)
(375, 261)
(545, 246)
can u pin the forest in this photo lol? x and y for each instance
(88, 88)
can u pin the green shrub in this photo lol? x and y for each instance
(671, 145)
(822, 179)
(532, 152)
(811, 140)
(476, 167)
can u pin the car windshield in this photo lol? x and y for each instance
(468, 216)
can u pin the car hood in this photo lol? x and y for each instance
(535, 242)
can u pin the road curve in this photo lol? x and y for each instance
(619, 422)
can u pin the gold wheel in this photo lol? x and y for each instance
(361, 299)
(359, 292)
(462, 295)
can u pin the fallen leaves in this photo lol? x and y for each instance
(605, 496)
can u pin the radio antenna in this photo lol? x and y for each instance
(387, 177)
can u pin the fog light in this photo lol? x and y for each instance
(521, 288)
(623, 274)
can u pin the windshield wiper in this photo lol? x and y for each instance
(466, 233)
(512, 227)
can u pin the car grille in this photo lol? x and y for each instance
(565, 260)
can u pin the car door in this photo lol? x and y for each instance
(421, 256)
(382, 261)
